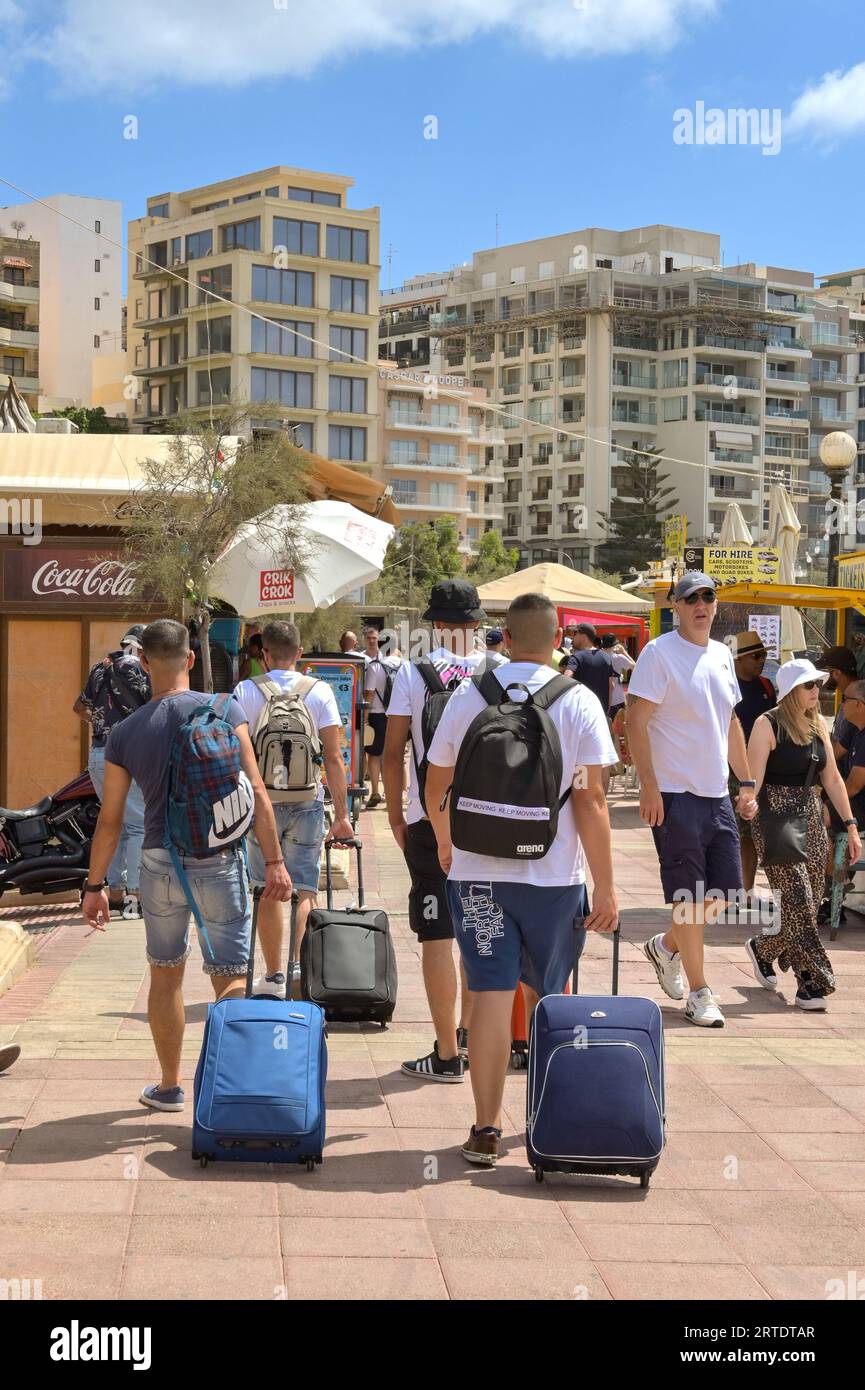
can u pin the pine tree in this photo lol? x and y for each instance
(634, 523)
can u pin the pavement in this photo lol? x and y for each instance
(760, 1193)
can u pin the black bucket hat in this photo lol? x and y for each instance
(456, 601)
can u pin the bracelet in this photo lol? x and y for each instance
(269, 863)
(851, 821)
(95, 887)
(747, 783)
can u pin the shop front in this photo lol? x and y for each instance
(63, 604)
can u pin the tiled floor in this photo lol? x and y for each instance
(760, 1193)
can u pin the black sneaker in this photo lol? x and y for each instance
(762, 972)
(433, 1068)
(463, 1044)
(808, 998)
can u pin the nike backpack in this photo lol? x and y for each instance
(286, 742)
(504, 798)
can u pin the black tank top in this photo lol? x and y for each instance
(788, 762)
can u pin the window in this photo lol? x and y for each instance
(348, 393)
(541, 412)
(199, 244)
(346, 442)
(676, 372)
(349, 340)
(301, 238)
(347, 244)
(157, 210)
(443, 494)
(96, 340)
(282, 286)
(676, 408)
(272, 192)
(176, 250)
(13, 275)
(546, 270)
(216, 332)
(96, 301)
(313, 195)
(445, 417)
(97, 225)
(97, 266)
(209, 207)
(603, 263)
(405, 492)
(488, 280)
(675, 338)
(301, 433)
(215, 384)
(280, 336)
(156, 400)
(542, 340)
(518, 274)
(348, 296)
(443, 455)
(246, 234)
(403, 452)
(283, 388)
(245, 197)
(216, 281)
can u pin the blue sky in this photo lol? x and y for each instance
(554, 115)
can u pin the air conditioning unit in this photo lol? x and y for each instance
(51, 425)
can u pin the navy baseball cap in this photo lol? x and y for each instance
(494, 636)
(691, 582)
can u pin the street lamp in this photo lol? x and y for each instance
(837, 452)
(561, 557)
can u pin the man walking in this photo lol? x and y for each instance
(515, 921)
(300, 819)
(683, 734)
(116, 688)
(455, 613)
(757, 696)
(378, 680)
(589, 665)
(140, 749)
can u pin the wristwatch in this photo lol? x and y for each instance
(747, 784)
(95, 887)
(851, 821)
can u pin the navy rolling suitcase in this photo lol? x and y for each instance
(595, 1084)
(259, 1084)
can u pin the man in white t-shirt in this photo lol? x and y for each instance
(683, 733)
(379, 674)
(300, 825)
(455, 613)
(516, 920)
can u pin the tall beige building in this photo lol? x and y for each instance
(601, 342)
(282, 243)
(19, 317)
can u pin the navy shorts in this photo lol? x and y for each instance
(509, 932)
(378, 724)
(429, 915)
(698, 847)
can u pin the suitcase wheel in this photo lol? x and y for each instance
(203, 1160)
(645, 1179)
(519, 1060)
(310, 1165)
(539, 1173)
(195, 1156)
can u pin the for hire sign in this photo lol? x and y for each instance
(66, 577)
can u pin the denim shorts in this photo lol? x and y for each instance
(509, 932)
(220, 890)
(301, 835)
(698, 847)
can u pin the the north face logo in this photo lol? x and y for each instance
(232, 816)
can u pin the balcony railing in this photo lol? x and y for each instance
(639, 380)
(511, 350)
(512, 388)
(729, 344)
(429, 461)
(776, 451)
(733, 456)
(831, 379)
(634, 417)
(571, 383)
(775, 340)
(542, 460)
(782, 379)
(774, 412)
(542, 349)
(572, 417)
(432, 500)
(718, 416)
(412, 420)
(572, 343)
(743, 383)
(835, 418)
(543, 384)
(484, 355)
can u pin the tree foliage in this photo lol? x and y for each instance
(214, 478)
(417, 557)
(92, 419)
(492, 560)
(635, 519)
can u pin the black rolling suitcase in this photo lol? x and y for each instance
(347, 961)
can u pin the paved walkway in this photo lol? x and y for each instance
(760, 1193)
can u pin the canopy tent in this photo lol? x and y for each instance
(565, 587)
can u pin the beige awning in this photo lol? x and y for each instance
(564, 586)
(743, 436)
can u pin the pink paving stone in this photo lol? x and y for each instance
(464, 1239)
(672, 1281)
(221, 1200)
(788, 1243)
(47, 1236)
(228, 1277)
(317, 1278)
(200, 1235)
(833, 1177)
(68, 1197)
(626, 1203)
(805, 1281)
(833, 1147)
(477, 1278)
(76, 1280)
(680, 1244)
(355, 1236)
(390, 1202)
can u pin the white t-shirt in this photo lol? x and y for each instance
(696, 691)
(620, 662)
(582, 727)
(375, 679)
(321, 703)
(410, 694)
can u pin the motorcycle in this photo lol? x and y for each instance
(46, 848)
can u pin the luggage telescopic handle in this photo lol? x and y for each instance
(616, 935)
(250, 968)
(328, 845)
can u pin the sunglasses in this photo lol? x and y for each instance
(706, 595)
(809, 685)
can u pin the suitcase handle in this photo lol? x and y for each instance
(250, 968)
(357, 844)
(616, 935)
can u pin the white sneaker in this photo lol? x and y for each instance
(702, 1009)
(667, 968)
(269, 986)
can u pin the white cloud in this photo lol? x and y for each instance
(128, 46)
(834, 107)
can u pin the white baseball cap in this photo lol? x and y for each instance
(796, 672)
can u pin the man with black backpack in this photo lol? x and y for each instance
(294, 724)
(420, 693)
(192, 757)
(116, 687)
(378, 681)
(515, 794)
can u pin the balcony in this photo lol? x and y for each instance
(738, 383)
(841, 342)
(543, 496)
(731, 494)
(510, 533)
(573, 417)
(835, 420)
(18, 294)
(484, 355)
(636, 381)
(512, 388)
(512, 463)
(540, 528)
(776, 343)
(571, 343)
(411, 420)
(779, 451)
(430, 461)
(402, 323)
(833, 380)
(571, 382)
(724, 455)
(780, 381)
(542, 460)
(715, 415)
(786, 413)
(543, 384)
(24, 336)
(429, 502)
(512, 351)
(633, 417)
(574, 455)
(542, 349)
(26, 380)
(730, 344)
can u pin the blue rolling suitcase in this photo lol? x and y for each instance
(595, 1084)
(259, 1083)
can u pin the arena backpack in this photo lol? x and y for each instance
(210, 802)
(286, 743)
(504, 798)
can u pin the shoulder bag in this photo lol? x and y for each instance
(785, 833)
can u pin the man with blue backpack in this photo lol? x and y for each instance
(192, 757)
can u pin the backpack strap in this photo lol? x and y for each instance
(430, 676)
(549, 693)
(767, 686)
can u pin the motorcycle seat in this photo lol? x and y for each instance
(40, 809)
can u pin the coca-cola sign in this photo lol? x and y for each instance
(67, 577)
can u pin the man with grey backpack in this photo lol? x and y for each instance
(294, 725)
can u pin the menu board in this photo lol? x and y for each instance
(344, 677)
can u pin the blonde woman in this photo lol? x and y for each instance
(784, 744)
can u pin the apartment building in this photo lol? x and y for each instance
(282, 243)
(80, 292)
(19, 317)
(438, 450)
(404, 325)
(601, 342)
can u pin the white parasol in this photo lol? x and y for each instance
(343, 548)
(734, 528)
(783, 532)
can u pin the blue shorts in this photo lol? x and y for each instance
(509, 932)
(301, 835)
(698, 847)
(220, 890)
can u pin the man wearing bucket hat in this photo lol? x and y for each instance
(758, 696)
(683, 734)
